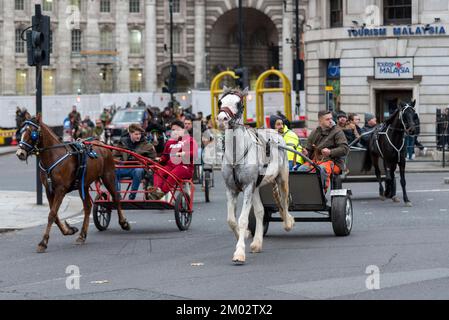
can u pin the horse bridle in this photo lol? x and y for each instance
(35, 135)
(234, 116)
(401, 114)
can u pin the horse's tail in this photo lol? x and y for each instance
(276, 195)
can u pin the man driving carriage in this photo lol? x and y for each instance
(134, 141)
(326, 146)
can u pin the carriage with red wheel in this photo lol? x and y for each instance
(179, 198)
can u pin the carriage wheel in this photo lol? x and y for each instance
(252, 222)
(183, 217)
(207, 177)
(102, 216)
(342, 216)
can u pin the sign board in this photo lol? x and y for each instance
(393, 68)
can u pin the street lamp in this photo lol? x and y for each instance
(298, 63)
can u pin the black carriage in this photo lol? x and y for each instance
(307, 195)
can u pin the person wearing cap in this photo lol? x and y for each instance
(178, 158)
(134, 141)
(277, 123)
(342, 120)
(370, 125)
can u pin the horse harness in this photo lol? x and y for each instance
(385, 133)
(78, 149)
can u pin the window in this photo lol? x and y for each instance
(48, 82)
(21, 82)
(105, 6)
(135, 80)
(177, 36)
(76, 81)
(20, 44)
(19, 5)
(397, 12)
(76, 41)
(134, 6)
(106, 40)
(76, 3)
(176, 6)
(336, 7)
(47, 5)
(135, 42)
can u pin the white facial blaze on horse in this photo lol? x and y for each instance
(251, 160)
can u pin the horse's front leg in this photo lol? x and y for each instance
(239, 254)
(403, 183)
(232, 204)
(52, 217)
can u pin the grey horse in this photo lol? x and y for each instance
(251, 160)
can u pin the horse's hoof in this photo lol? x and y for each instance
(74, 230)
(238, 260)
(382, 198)
(409, 204)
(41, 249)
(126, 226)
(80, 241)
(256, 248)
(396, 199)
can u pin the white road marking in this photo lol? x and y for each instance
(338, 287)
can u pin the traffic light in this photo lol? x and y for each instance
(170, 82)
(242, 74)
(38, 40)
(298, 73)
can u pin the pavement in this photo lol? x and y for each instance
(18, 210)
(7, 150)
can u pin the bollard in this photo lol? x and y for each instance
(446, 180)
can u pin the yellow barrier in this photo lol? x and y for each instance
(260, 90)
(215, 91)
(6, 134)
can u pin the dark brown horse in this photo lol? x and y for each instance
(59, 165)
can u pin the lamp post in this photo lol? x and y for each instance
(297, 65)
(172, 76)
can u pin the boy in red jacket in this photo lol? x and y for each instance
(178, 159)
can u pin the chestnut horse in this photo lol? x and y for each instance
(59, 166)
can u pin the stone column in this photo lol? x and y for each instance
(92, 43)
(9, 49)
(122, 41)
(150, 46)
(200, 43)
(287, 50)
(62, 50)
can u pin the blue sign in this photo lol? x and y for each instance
(333, 69)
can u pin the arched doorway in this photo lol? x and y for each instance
(184, 79)
(260, 44)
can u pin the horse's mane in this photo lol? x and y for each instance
(235, 90)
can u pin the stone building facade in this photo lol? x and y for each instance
(373, 52)
(123, 45)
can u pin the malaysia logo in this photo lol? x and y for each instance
(388, 68)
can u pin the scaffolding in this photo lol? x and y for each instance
(99, 71)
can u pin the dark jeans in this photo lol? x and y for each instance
(410, 145)
(134, 173)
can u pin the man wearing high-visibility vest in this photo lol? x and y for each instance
(291, 139)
